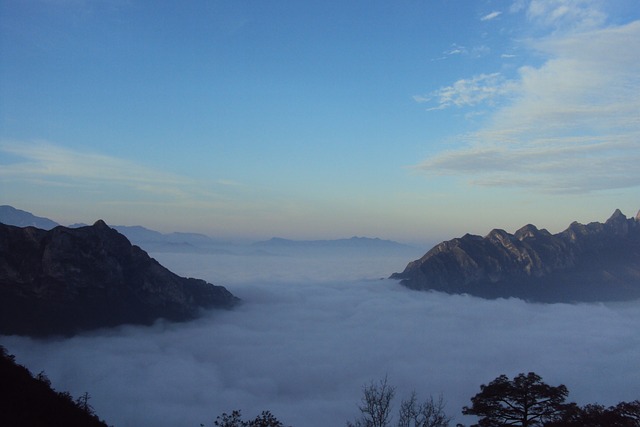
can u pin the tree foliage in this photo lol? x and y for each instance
(524, 401)
(265, 419)
(624, 414)
(82, 402)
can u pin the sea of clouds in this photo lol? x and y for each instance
(315, 327)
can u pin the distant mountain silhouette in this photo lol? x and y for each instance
(155, 241)
(593, 262)
(150, 240)
(70, 279)
(12, 216)
(353, 242)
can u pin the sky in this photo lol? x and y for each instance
(408, 120)
(306, 340)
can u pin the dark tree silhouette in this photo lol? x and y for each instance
(524, 401)
(265, 419)
(624, 414)
(629, 410)
(28, 401)
(429, 413)
(375, 408)
(226, 420)
(376, 405)
(82, 402)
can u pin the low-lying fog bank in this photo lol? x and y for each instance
(312, 330)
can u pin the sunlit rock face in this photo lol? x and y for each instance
(593, 262)
(67, 280)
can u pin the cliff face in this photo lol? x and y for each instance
(593, 262)
(70, 279)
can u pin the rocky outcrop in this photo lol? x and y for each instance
(71, 279)
(593, 262)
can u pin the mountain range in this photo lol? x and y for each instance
(593, 262)
(351, 243)
(155, 241)
(66, 280)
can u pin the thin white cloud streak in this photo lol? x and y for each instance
(573, 122)
(483, 88)
(456, 49)
(303, 346)
(43, 160)
(50, 165)
(566, 14)
(490, 16)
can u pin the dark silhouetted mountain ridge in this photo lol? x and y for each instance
(593, 262)
(71, 279)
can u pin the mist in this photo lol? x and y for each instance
(315, 327)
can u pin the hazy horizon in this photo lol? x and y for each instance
(423, 242)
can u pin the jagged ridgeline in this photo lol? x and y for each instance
(593, 262)
(68, 280)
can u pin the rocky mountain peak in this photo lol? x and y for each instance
(500, 236)
(593, 262)
(619, 223)
(617, 216)
(100, 224)
(526, 232)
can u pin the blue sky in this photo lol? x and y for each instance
(409, 120)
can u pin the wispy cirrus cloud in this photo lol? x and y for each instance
(81, 185)
(456, 49)
(558, 165)
(461, 50)
(566, 14)
(490, 16)
(570, 124)
(52, 163)
(483, 88)
(47, 164)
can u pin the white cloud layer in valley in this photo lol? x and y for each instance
(313, 329)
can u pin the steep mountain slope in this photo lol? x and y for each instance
(71, 279)
(593, 262)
